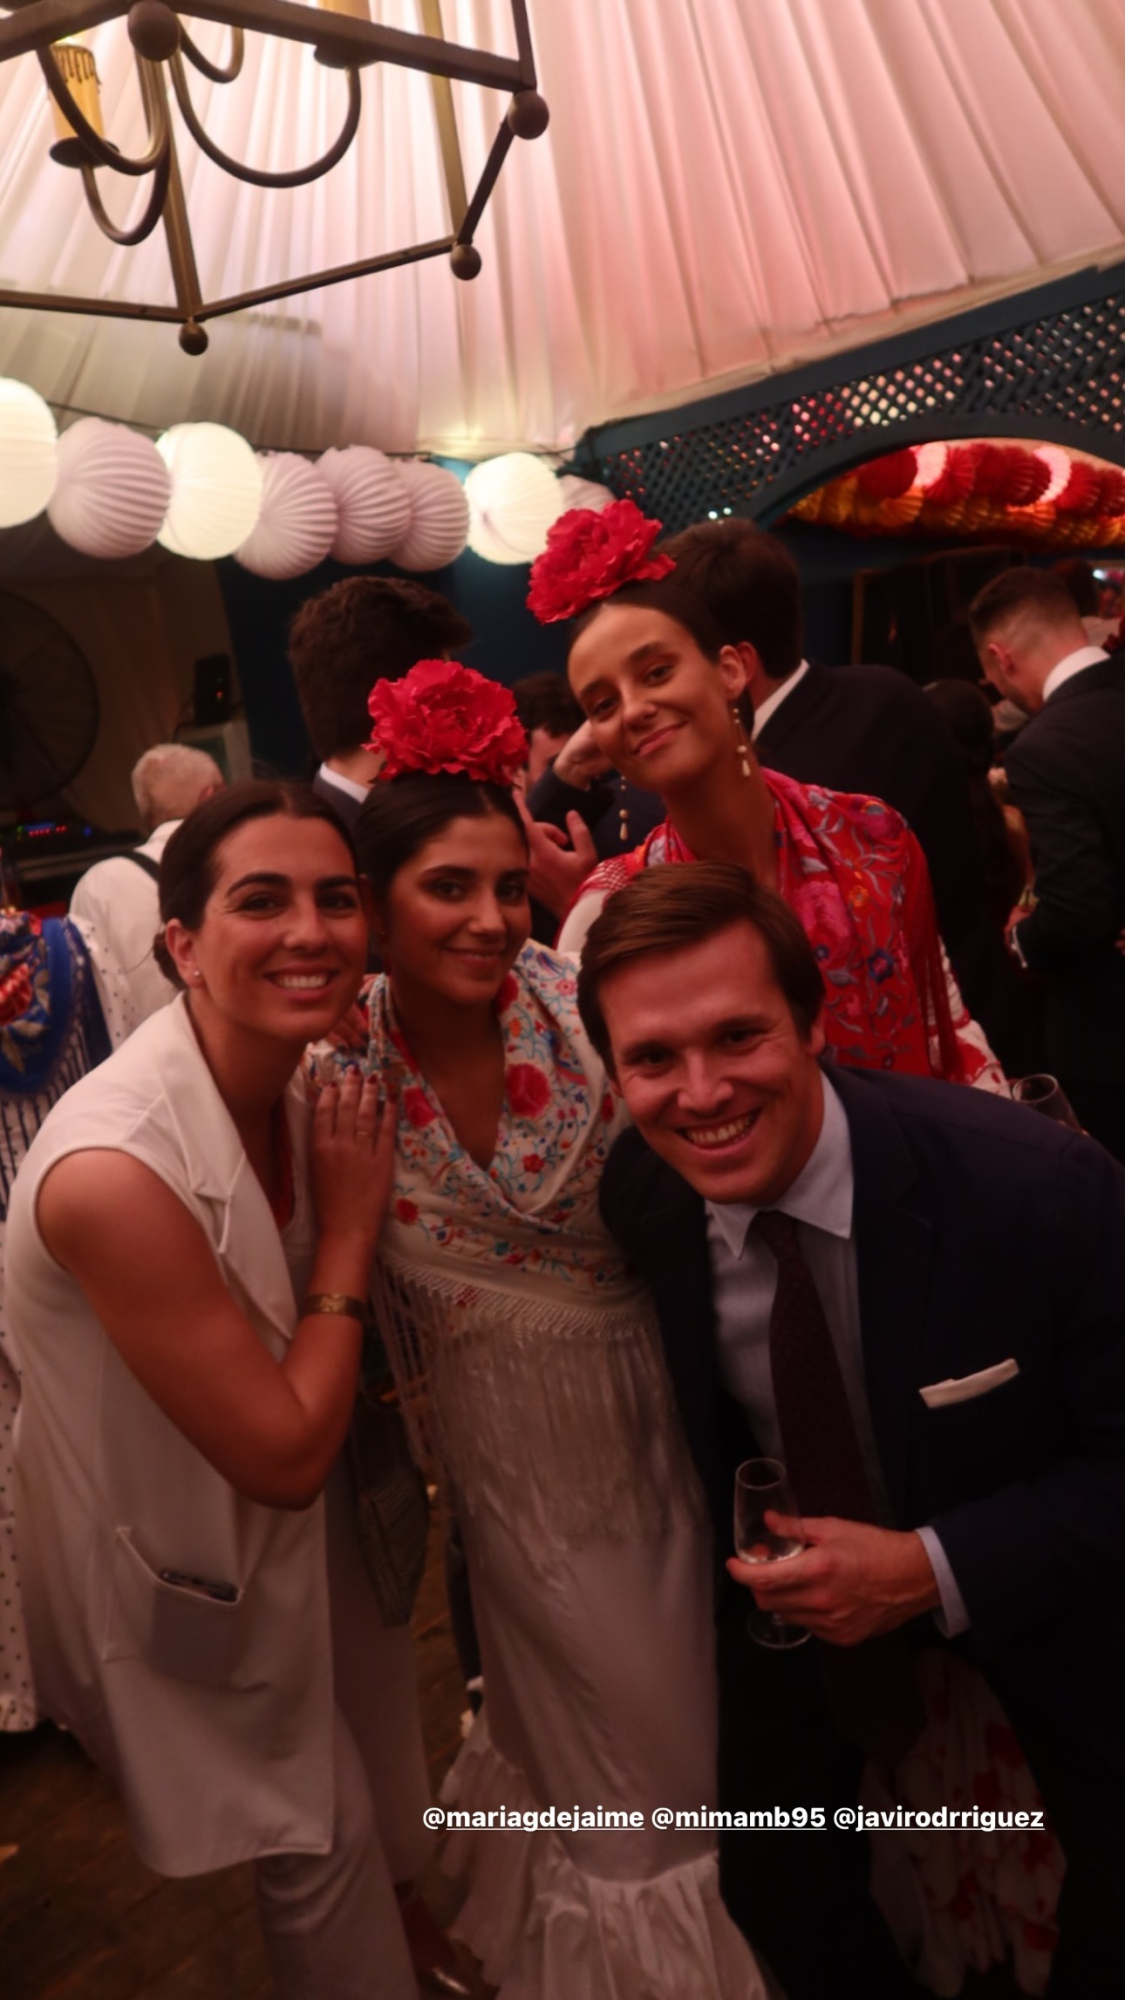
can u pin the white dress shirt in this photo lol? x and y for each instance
(1074, 663)
(763, 710)
(744, 1282)
(120, 904)
(348, 786)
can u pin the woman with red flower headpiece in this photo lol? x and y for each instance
(529, 1369)
(666, 707)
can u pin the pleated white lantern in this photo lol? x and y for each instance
(298, 522)
(372, 504)
(216, 490)
(513, 500)
(113, 490)
(28, 453)
(586, 493)
(439, 517)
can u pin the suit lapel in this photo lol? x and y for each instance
(677, 1264)
(893, 1267)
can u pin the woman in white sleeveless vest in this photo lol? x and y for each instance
(196, 1604)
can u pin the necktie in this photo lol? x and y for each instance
(871, 1686)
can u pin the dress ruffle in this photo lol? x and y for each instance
(546, 1930)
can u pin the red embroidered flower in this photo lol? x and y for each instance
(532, 1164)
(590, 553)
(15, 995)
(528, 1090)
(445, 717)
(509, 991)
(416, 1109)
(406, 1211)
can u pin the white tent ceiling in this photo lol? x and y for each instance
(726, 187)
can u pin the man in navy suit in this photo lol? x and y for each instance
(913, 1293)
(1066, 769)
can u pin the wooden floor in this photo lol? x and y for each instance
(82, 1919)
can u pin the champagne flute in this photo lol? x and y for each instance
(761, 1486)
(1046, 1095)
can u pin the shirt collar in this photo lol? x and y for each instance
(763, 710)
(822, 1193)
(342, 784)
(158, 839)
(1073, 663)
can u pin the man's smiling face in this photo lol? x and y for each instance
(718, 1076)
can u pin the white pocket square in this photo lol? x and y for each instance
(962, 1388)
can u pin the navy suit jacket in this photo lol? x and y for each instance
(983, 1232)
(342, 802)
(1067, 773)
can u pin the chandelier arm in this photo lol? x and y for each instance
(298, 176)
(102, 153)
(213, 71)
(154, 207)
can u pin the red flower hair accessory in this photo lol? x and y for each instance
(445, 717)
(590, 553)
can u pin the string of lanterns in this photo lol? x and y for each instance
(201, 491)
(986, 488)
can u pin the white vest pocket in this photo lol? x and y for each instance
(175, 1631)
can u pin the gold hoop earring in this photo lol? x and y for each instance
(623, 810)
(741, 747)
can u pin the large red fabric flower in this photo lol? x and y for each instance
(445, 717)
(590, 553)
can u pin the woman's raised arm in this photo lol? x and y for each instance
(273, 1429)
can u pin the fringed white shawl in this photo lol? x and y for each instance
(526, 1353)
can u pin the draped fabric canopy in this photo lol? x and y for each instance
(726, 187)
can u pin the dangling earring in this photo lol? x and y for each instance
(623, 811)
(741, 748)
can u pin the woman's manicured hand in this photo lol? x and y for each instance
(353, 1150)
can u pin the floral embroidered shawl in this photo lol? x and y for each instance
(852, 871)
(525, 1352)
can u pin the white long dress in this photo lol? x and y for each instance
(530, 1367)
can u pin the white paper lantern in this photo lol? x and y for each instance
(216, 490)
(513, 500)
(28, 453)
(439, 517)
(586, 493)
(298, 522)
(372, 503)
(113, 490)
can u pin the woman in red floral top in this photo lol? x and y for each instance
(664, 699)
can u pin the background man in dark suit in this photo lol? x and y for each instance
(1066, 769)
(366, 629)
(914, 1294)
(857, 729)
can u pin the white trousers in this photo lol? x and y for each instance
(331, 1921)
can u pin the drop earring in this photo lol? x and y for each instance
(623, 810)
(741, 748)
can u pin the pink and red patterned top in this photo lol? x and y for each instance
(853, 873)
